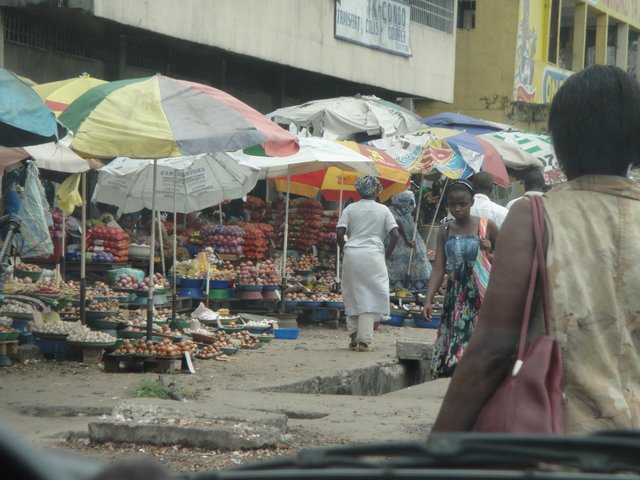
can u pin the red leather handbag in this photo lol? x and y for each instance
(530, 398)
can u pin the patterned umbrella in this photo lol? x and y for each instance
(453, 153)
(59, 95)
(159, 117)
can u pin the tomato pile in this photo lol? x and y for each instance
(305, 223)
(108, 244)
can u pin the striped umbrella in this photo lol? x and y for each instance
(334, 183)
(536, 145)
(160, 117)
(59, 95)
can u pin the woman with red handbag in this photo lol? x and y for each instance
(585, 249)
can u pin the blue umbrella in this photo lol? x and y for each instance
(24, 118)
(471, 125)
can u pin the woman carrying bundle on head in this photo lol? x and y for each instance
(463, 251)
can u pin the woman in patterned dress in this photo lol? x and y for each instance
(402, 207)
(456, 253)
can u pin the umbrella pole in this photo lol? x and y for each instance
(415, 230)
(161, 243)
(63, 260)
(152, 256)
(338, 282)
(83, 247)
(286, 239)
(433, 222)
(175, 250)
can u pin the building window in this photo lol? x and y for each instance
(24, 29)
(40, 32)
(145, 53)
(467, 14)
(436, 14)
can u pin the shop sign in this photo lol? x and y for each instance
(379, 24)
(552, 79)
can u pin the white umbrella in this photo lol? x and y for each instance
(343, 117)
(60, 158)
(186, 184)
(315, 154)
(192, 182)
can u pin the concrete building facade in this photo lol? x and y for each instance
(268, 53)
(513, 55)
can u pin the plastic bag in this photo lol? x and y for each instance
(203, 313)
(68, 196)
(114, 275)
(34, 239)
(11, 200)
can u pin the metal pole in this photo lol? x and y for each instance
(161, 237)
(338, 246)
(175, 247)
(444, 188)
(63, 260)
(152, 256)
(83, 248)
(286, 238)
(415, 228)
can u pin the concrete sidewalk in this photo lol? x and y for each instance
(46, 400)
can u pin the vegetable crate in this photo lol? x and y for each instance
(8, 347)
(55, 349)
(119, 364)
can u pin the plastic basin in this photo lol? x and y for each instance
(191, 282)
(286, 333)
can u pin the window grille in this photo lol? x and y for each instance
(438, 14)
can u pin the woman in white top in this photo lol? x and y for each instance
(365, 281)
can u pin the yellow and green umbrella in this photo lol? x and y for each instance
(160, 117)
(59, 95)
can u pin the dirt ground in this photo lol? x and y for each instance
(320, 420)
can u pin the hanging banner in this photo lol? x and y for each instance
(379, 24)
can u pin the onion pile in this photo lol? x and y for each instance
(103, 306)
(210, 351)
(90, 336)
(244, 339)
(140, 347)
(167, 348)
(260, 323)
(223, 239)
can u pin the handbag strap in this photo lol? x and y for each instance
(538, 267)
(538, 212)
